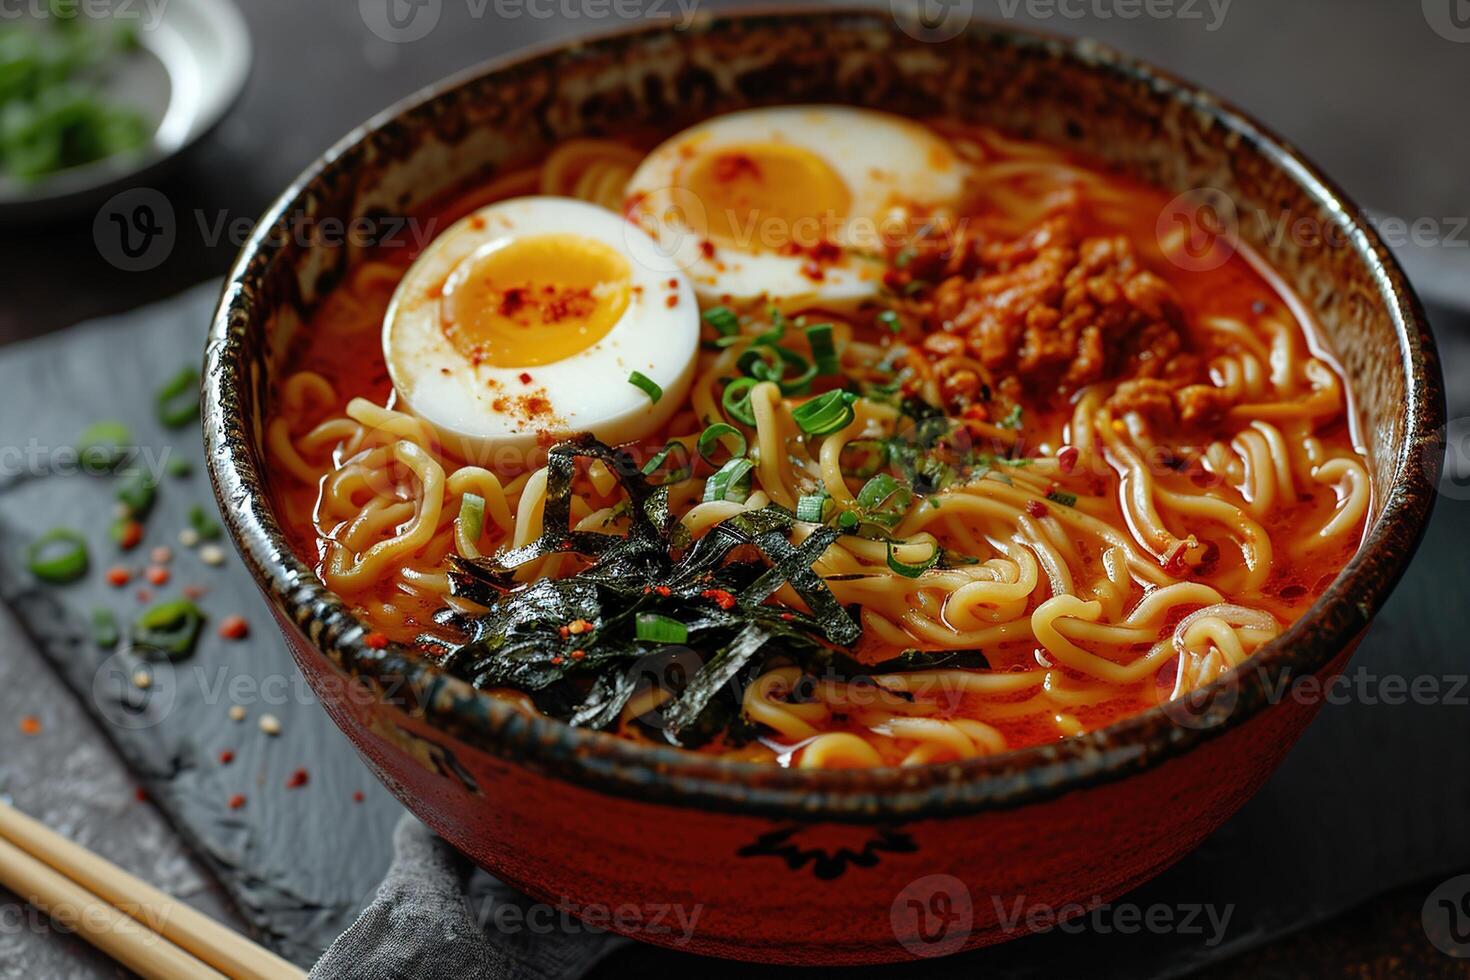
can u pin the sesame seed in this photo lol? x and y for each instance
(270, 724)
(237, 712)
(188, 537)
(142, 680)
(212, 554)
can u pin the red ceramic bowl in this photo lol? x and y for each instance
(844, 866)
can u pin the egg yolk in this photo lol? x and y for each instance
(763, 197)
(534, 300)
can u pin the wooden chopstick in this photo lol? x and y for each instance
(182, 928)
(124, 939)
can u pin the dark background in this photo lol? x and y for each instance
(1365, 87)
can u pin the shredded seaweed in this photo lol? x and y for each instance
(572, 643)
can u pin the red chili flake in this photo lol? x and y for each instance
(140, 794)
(1067, 458)
(145, 595)
(195, 592)
(158, 575)
(298, 779)
(357, 797)
(720, 597)
(662, 589)
(376, 641)
(578, 654)
(563, 632)
(671, 300)
(556, 661)
(234, 628)
(525, 377)
(579, 626)
(787, 617)
(161, 555)
(707, 248)
(118, 576)
(226, 757)
(130, 536)
(237, 801)
(30, 725)
(1036, 508)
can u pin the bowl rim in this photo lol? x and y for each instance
(664, 774)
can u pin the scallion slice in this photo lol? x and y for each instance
(884, 500)
(103, 446)
(171, 628)
(653, 628)
(104, 628)
(890, 320)
(681, 471)
(847, 520)
(59, 556)
(907, 570)
(646, 384)
(138, 491)
(471, 516)
(810, 507)
(736, 400)
(824, 349)
(178, 400)
(725, 322)
(825, 414)
(1063, 497)
(730, 482)
(713, 436)
(204, 525)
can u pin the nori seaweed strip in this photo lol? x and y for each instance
(794, 566)
(718, 671)
(605, 702)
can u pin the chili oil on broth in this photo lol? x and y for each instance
(1188, 546)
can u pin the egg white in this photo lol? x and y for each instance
(890, 166)
(477, 408)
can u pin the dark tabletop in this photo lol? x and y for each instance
(1372, 89)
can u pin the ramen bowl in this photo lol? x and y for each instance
(760, 862)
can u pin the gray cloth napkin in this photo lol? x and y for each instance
(433, 919)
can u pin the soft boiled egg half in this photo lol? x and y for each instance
(530, 316)
(782, 205)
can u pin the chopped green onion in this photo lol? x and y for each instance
(103, 446)
(903, 258)
(1063, 497)
(682, 471)
(59, 556)
(171, 628)
(825, 414)
(847, 520)
(138, 491)
(653, 628)
(178, 400)
(104, 628)
(810, 507)
(179, 466)
(1013, 418)
(911, 571)
(877, 490)
(890, 320)
(884, 500)
(646, 384)
(768, 362)
(736, 400)
(726, 324)
(204, 525)
(472, 516)
(712, 436)
(730, 482)
(824, 350)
